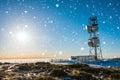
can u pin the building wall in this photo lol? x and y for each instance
(83, 58)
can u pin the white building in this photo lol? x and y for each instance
(85, 58)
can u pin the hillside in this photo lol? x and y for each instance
(47, 71)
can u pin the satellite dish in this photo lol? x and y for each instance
(94, 42)
(94, 28)
(90, 43)
(89, 28)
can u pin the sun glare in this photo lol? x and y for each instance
(22, 37)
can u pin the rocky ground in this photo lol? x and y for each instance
(47, 71)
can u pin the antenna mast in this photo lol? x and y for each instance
(94, 41)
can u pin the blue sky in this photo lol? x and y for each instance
(57, 27)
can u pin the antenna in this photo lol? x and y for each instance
(94, 41)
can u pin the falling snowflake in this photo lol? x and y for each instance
(25, 12)
(118, 27)
(83, 24)
(48, 7)
(104, 42)
(50, 21)
(57, 5)
(93, 14)
(110, 17)
(10, 32)
(2, 29)
(6, 12)
(81, 48)
(73, 40)
(34, 17)
(75, 8)
(60, 52)
(116, 15)
(112, 42)
(103, 22)
(45, 25)
(26, 26)
(87, 5)
(110, 4)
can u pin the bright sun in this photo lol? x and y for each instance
(22, 36)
